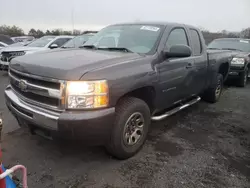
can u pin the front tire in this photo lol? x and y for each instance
(243, 78)
(212, 94)
(130, 128)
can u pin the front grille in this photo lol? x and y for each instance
(32, 80)
(35, 97)
(43, 92)
(8, 56)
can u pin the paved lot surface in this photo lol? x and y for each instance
(203, 146)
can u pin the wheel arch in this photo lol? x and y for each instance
(224, 70)
(145, 93)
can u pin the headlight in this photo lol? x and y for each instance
(87, 94)
(238, 61)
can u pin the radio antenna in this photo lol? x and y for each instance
(73, 23)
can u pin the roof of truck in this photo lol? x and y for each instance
(155, 23)
(232, 39)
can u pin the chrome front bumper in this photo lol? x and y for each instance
(95, 126)
(33, 114)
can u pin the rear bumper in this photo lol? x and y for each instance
(95, 125)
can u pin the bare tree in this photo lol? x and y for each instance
(245, 33)
(12, 31)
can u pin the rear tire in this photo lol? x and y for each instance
(243, 78)
(122, 144)
(213, 93)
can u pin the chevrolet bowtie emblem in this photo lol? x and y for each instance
(23, 85)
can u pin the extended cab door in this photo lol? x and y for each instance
(176, 74)
(200, 59)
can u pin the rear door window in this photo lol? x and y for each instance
(196, 40)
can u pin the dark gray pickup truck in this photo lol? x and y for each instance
(109, 91)
(240, 64)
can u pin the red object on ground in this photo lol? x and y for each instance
(2, 181)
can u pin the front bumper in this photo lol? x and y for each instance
(95, 125)
(236, 70)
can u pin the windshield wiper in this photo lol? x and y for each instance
(231, 49)
(88, 46)
(117, 49)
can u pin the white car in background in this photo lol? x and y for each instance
(23, 38)
(3, 45)
(44, 43)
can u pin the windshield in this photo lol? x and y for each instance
(43, 41)
(77, 41)
(241, 44)
(135, 38)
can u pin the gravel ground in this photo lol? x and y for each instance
(207, 145)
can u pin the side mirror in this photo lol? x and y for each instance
(178, 51)
(53, 46)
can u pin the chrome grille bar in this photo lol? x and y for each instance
(33, 88)
(39, 104)
(40, 91)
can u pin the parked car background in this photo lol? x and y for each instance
(5, 41)
(44, 43)
(23, 38)
(3, 45)
(78, 41)
(240, 64)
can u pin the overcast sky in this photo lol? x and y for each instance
(214, 15)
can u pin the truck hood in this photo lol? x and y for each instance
(69, 64)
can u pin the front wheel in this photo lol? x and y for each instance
(213, 93)
(130, 128)
(243, 78)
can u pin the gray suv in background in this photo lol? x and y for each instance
(78, 41)
(44, 43)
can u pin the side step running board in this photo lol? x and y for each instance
(177, 109)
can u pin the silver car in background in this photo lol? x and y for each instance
(23, 38)
(5, 41)
(78, 41)
(3, 45)
(44, 43)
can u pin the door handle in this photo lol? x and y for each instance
(189, 65)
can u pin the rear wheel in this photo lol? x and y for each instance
(213, 94)
(130, 128)
(243, 78)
